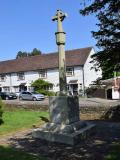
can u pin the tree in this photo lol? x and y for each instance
(42, 86)
(21, 54)
(107, 36)
(34, 52)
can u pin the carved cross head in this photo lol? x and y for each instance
(59, 16)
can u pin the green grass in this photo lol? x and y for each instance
(7, 153)
(114, 154)
(19, 119)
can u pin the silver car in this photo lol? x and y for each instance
(31, 96)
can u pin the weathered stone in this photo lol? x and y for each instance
(65, 125)
(66, 138)
(64, 109)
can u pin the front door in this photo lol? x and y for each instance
(109, 94)
(22, 88)
(73, 89)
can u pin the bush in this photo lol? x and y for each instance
(42, 86)
(1, 111)
(47, 93)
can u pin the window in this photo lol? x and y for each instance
(21, 76)
(70, 71)
(16, 88)
(80, 86)
(30, 89)
(2, 77)
(49, 87)
(42, 73)
(6, 89)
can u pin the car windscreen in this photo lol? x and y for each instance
(35, 93)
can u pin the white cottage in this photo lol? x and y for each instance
(18, 74)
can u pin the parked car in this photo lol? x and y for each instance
(7, 95)
(31, 96)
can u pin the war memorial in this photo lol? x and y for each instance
(65, 125)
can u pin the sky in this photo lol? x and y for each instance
(27, 24)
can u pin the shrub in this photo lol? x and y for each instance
(42, 86)
(47, 93)
(1, 111)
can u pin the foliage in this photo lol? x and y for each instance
(115, 153)
(118, 73)
(97, 82)
(21, 54)
(34, 52)
(1, 111)
(42, 86)
(47, 93)
(107, 36)
(94, 86)
(90, 90)
(8, 153)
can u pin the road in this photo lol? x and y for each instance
(82, 102)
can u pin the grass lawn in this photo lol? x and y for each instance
(20, 119)
(7, 153)
(114, 154)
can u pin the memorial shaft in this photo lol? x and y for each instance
(60, 41)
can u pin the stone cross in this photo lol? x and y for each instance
(65, 125)
(60, 41)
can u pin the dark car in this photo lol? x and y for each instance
(6, 95)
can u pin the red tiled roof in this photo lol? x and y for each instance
(76, 57)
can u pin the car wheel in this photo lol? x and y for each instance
(34, 99)
(20, 98)
(6, 98)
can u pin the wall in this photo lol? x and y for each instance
(53, 76)
(90, 75)
(115, 94)
(30, 76)
(108, 112)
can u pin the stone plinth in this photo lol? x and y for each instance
(65, 125)
(64, 109)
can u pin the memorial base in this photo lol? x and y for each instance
(68, 134)
(65, 125)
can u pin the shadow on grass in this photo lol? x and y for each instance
(96, 147)
(115, 153)
(8, 153)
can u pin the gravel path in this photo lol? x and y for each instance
(94, 148)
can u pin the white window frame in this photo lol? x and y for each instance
(21, 76)
(43, 73)
(6, 89)
(16, 88)
(50, 87)
(2, 78)
(69, 71)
